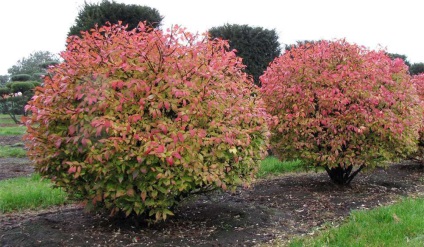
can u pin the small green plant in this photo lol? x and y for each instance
(273, 166)
(12, 131)
(29, 193)
(7, 151)
(400, 224)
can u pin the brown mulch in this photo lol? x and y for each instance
(276, 208)
(11, 141)
(15, 167)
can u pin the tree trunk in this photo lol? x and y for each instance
(342, 176)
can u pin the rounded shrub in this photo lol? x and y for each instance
(36, 83)
(341, 106)
(48, 64)
(20, 77)
(4, 91)
(22, 86)
(37, 76)
(133, 121)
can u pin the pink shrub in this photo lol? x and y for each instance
(340, 105)
(133, 121)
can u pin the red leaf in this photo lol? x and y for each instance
(170, 160)
(72, 169)
(160, 149)
(167, 106)
(71, 130)
(143, 196)
(180, 137)
(176, 155)
(58, 143)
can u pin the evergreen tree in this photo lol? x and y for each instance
(111, 11)
(256, 45)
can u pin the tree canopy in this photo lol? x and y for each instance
(401, 56)
(300, 43)
(256, 45)
(416, 68)
(111, 11)
(3, 80)
(33, 64)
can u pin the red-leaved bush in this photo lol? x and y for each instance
(340, 105)
(418, 81)
(135, 120)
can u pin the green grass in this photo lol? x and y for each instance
(272, 166)
(12, 131)
(16, 152)
(28, 193)
(401, 224)
(6, 119)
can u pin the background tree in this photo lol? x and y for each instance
(111, 11)
(257, 46)
(416, 68)
(401, 56)
(300, 43)
(3, 80)
(340, 106)
(15, 95)
(33, 65)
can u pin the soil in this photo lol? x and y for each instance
(277, 208)
(11, 140)
(14, 167)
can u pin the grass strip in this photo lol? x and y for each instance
(29, 193)
(15, 152)
(12, 131)
(400, 224)
(272, 166)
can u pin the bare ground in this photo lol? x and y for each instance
(276, 208)
(13, 167)
(11, 140)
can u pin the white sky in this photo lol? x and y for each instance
(32, 25)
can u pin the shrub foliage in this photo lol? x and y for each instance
(418, 81)
(21, 77)
(133, 121)
(340, 105)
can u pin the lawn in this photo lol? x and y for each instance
(272, 166)
(9, 128)
(6, 119)
(12, 130)
(28, 193)
(400, 224)
(16, 152)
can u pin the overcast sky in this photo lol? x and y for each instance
(33, 25)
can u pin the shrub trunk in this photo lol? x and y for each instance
(342, 175)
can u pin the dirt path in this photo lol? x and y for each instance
(277, 208)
